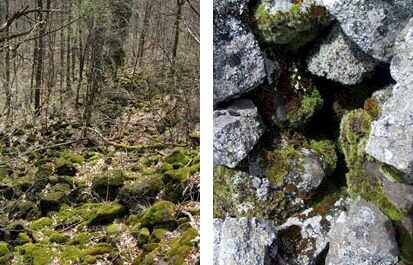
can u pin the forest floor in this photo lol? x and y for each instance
(125, 194)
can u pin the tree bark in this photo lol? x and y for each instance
(39, 61)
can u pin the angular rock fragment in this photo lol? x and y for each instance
(372, 24)
(363, 235)
(239, 64)
(402, 63)
(236, 131)
(244, 241)
(391, 137)
(340, 60)
(303, 239)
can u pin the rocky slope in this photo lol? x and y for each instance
(125, 196)
(313, 126)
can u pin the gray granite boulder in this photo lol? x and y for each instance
(239, 64)
(339, 59)
(236, 131)
(372, 24)
(391, 137)
(363, 235)
(244, 241)
(402, 63)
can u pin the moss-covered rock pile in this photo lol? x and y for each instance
(92, 202)
(338, 130)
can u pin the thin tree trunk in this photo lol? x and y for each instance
(39, 62)
(6, 84)
(178, 17)
(145, 26)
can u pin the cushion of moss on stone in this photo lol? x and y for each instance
(231, 190)
(354, 131)
(107, 213)
(160, 213)
(291, 27)
(392, 173)
(36, 254)
(41, 223)
(58, 238)
(308, 105)
(406, 250)
(372, 107)
(157, 235)
(80, 239)
(327, 150)
(23, 238)
(5, 254)
(90, 213)
(143, 236)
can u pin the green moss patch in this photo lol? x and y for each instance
(160, 214)
(354, 131)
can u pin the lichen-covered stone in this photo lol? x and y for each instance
(293, 23)
(236, 131)
(391, 138)
(401, 67)
(340, 60)
(239, 65)
(244, 241)
(363, 235)
(303, 239)
(372, 24)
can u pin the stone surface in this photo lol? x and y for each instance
(402, 64)
(244, 241)
(363, 235)
(372, 24)
(303, 239)
(340, 60)
(236, 131)
(391, 137)
(239, 65)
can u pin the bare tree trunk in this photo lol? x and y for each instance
(68, 57)
(178, 18)
(95, 76)
(39, 61)
(145, 26)
(6, 82)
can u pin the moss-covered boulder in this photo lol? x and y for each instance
(177, 180)
(54, 197)
(107, 185)
(5, 253)
(65, 168)
(41, 223)
(107, 213)
(171, 250)
(290, 23)
(142, 192)
(161, 215)
(143, 236)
